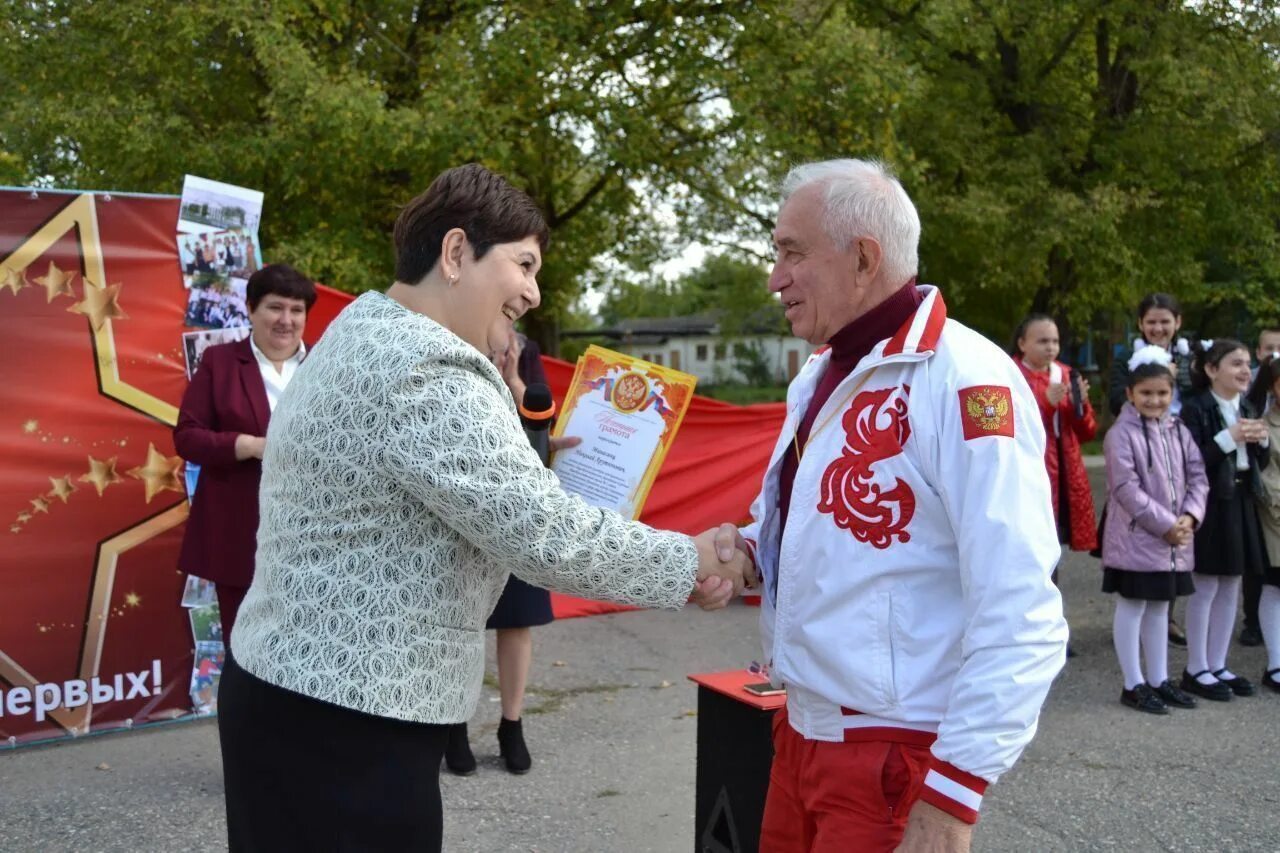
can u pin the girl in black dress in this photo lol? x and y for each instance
(1233, 442)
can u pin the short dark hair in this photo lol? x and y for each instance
(1268, 375)
(483, 204)
(282, 280)
(1159, 300)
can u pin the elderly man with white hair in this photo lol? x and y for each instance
(904, 538)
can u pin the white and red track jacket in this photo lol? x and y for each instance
(910, 598)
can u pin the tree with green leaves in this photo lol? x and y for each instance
(1065, 157)
(342, 111)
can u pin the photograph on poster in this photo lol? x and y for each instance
(195, 343)
(214, 303)
(205, 674)
(198, 592)
(214, 206)
(206, 624)
(218, 255)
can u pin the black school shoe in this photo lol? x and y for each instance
(1144, 699)
(511, 744)
(1250, 635)
(1239, 685)
(457, 751)
(1217, 692)
(1271, 679)
(1174, 697)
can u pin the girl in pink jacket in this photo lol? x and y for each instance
(1156, 493)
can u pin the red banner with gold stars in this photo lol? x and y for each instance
(92, 634)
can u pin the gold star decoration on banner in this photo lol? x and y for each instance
(30, 426)
(13, 279)
(24, 517)
(100, 304)
(62, 488)
(159, 473)
(56, 283)
(41, 505)
(133, 599)
(13, 528)
(101, 474)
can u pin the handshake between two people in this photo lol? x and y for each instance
(725, 567)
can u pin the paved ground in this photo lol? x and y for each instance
(611, 726)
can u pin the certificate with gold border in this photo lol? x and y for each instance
(627, 412)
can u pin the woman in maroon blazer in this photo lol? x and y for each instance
(222, 427)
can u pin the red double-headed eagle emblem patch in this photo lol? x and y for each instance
(986, 410)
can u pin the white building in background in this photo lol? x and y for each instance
(696, 345)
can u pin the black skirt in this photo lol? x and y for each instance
(522, 605)
(1147, 586)
(301, 774)
(1229, 542)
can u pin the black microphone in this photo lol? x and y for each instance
(536, 413)
(1077, 394)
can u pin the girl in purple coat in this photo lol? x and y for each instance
(1156, 492)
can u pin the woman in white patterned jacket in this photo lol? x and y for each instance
(398, 491)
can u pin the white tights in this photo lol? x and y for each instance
(1144, 623)
(1269, 621)
(1211, 617)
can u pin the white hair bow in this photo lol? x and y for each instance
(1182, 347)
(1150, 354)
(1206, 345)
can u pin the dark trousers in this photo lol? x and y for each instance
(305, 775)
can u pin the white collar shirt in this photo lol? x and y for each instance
(276, 381)
(1230, 414)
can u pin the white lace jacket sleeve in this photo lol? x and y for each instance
(457, 445)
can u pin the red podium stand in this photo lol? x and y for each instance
(735, 752)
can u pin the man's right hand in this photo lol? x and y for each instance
(723, 572)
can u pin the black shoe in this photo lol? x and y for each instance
(511, 745)
(1217, 692)
(457, 751)
(1144, 699)
(1070, 651)
(1239, 685)
(1250, 635)
(1174, 697)
(1271, 680)
(1177, 636)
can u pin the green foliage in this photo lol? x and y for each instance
(1065, 156)
(734, 289)
(341, 112)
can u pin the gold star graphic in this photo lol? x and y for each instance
(24, 517)
(13, 279)
(41, 505)
(56, 283)
(159, 473)
(133, 599)
(101, 474)
(62, 488)
(100, 304)
(13, 528)
(30, 426)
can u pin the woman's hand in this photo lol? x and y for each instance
(250, 447)
(508, 364)
(1055, 392)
